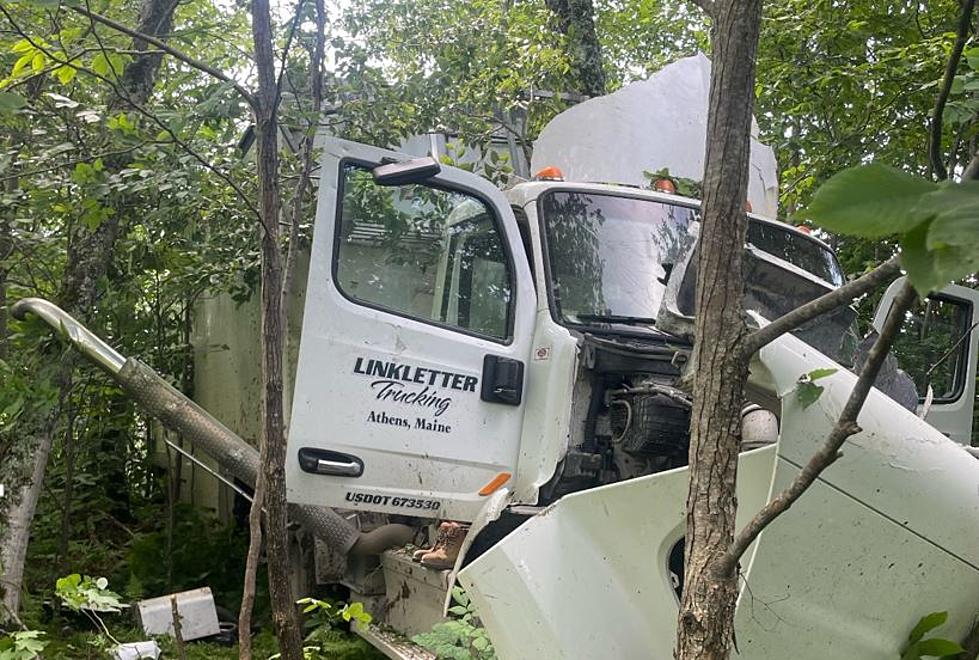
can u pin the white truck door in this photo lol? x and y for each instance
(938, 346)
(418, 322)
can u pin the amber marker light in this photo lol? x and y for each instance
(549, 173)
(494, 484)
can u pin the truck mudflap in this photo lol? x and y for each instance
(897, 515)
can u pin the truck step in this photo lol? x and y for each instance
(392, 644)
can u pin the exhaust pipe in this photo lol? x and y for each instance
(182, 415)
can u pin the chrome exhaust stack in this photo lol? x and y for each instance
(182, 415)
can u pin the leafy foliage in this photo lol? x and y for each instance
(321, 623)
(937, 223)
(918, 647)
(86, 593)
(22, 645)
(461, 638)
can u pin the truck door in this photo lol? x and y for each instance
(938, 346)
(418, 322)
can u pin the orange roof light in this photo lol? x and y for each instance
(549, 173)
(494, 484)
(664, 185)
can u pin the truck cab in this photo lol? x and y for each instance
(514, 360)
(458, 340)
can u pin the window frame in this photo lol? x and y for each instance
(497, 222)
(963, 350)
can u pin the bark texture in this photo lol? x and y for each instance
(576, 20)
(89, 256)
(273, 449)
(706, 622)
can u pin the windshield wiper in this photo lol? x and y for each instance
(616, 318)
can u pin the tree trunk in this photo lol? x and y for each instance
(706, 622)
(89, 255)
(273, 449)
(576, 21)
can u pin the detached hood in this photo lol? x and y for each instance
(887, 535)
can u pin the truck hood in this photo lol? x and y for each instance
(897, 514)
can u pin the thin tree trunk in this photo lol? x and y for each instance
(576, 20)
(68, 495)
(272, 454)
(706, 621)
(13, 552)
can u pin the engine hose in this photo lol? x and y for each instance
(182, 415)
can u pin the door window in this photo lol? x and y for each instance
(932, 346)
(427, 253)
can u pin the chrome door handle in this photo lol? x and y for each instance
(339, 468)
(329, 463)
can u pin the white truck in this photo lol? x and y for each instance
(511, 360)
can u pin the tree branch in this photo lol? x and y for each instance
(178, 54)
(971, 170)
(305, 174)
(139, 108)
(825, 303)
(935, 125)
(845, 426)
(285, 50)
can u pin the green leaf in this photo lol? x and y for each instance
(460, 596)
(65, 74)
(927, 623)
(930, 270)
(21, 64)
(808, 393)
(100, 64)
(871, 201)
(937, 647)
(38, 62)
(11, 103)
(956, 210)
(816, 374)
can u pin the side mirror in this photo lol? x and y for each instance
(408, 171)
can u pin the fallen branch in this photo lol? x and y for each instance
(845, 427)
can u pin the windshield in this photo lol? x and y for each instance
(609, 257)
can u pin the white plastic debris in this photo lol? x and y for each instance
(136, 651)
(648, 125)
(198, 616)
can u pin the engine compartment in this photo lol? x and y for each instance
(630, 418)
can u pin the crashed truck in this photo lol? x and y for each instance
(511, 362)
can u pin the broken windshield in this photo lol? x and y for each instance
(609, 257)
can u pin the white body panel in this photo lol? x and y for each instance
(338, 401)
(613, 138)
(831, 578)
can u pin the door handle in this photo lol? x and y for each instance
(330, 463)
